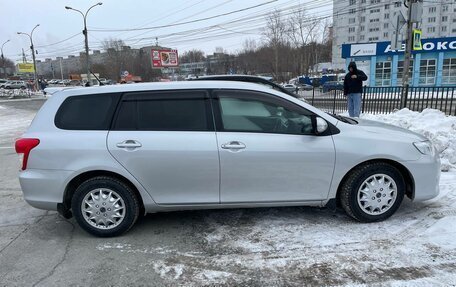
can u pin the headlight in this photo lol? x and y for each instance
(424, 147)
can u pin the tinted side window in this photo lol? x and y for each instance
(244, 111)
(90, 112)
(165, 111)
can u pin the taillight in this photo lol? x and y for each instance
(24, 146)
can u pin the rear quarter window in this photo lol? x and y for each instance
(88, 112)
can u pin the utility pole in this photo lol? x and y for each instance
(85, 32)
(408, 52)
(3, 58)
(61, 69)
(24, 59)
(33, 53)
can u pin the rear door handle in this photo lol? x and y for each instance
(234, 145)
(129, 144)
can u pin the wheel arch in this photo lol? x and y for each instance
(80, 178)
(408, 177)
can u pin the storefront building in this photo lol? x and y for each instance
(435, 65)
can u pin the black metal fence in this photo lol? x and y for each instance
(387, 99)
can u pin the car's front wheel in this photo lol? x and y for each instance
(105, 206)
(372, 192)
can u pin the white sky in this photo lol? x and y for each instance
(57, 23)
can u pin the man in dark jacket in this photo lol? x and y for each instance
(353, 88)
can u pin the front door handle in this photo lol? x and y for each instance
(235, 145)
(129, 144)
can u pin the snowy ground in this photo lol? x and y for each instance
(249, 247)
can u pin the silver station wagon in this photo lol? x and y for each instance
(107, 155)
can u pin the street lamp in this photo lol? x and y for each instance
(3, 58)
(33, 53)
(86, 37)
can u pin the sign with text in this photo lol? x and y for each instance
(25, 68)
(358, 50)
(164, 58)
(384, 48)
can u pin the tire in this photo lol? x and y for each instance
(112, 202)
(377, 180)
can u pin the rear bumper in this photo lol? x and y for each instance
(43, 189)
(426, 175)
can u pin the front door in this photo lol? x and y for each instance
(268, 150)
(167, 141)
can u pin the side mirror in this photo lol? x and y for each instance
(320, 125)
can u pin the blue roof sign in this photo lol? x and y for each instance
(384, 48)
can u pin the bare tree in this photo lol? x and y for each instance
(119, 58)
(192, 56)
(275, 37)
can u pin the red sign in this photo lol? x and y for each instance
(164, 58)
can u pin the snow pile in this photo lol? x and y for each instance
(433, 124)
(13, 123)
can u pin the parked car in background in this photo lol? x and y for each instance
(305, 87)
(291, 88)
(107, 154)
(332, 85)
(15, 85)
(2, 82)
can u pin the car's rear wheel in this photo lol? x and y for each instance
(372, 192)
(105, 206)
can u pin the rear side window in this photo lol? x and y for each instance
(89, 112)
(165, 111)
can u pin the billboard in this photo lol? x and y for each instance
(164, 58)
(25, 68)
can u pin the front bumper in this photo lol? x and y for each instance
(43, 189)
(426, 175)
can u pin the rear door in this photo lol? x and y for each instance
(166, 139)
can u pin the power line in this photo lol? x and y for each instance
(184, 23)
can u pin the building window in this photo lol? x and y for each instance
(445, 8)
(374, 29)
(351, 20)
(351, 30)
(351, 38)
(385, 35)
(361, 28)
(363, 1)
(352, 2)
(374, 20)
(432, 9)
(383, 74)
(387, 15)
(385, 25)
(371, 39)
(444, 28)
(431, 19)
(375, 11)
(398, 4)
(427, 72)
(362, 19)
(375, 1)
(352, 11)
(431, 29)
(444, 18)
(449, 71)
(453, 31)
(400, 72)
(361, 38)
(387, 6)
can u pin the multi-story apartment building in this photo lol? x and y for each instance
(368, 21)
